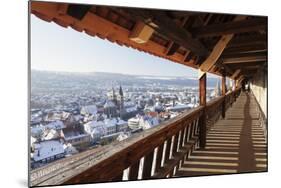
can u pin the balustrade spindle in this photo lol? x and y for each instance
(175, 144)
(134, 170)
(159, 157)
(147, 166)
(167, 150)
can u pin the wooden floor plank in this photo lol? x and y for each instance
(234, 144)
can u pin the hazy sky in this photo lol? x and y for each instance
(55, 48)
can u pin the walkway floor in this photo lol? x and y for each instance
(234, 144)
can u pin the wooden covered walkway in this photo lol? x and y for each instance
(231, 46)
(235, 144)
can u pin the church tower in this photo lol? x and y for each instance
(218, 89)
(121, 100)
(114, 97)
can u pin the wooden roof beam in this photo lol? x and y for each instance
(235, 74)
(240, 79)
(78, 11)
(244, 59)
(233, 27)
(217, 51)
(173, 47)
(248, 71)
(245, 49)
(248, 40)
(245, 64)
(167, 27)
(221, 67)
(141, 33)
(238, 55)
(215, 54)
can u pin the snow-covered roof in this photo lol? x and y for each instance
(134, 119)
(114, 122)
(51, 134)
(69, 149)
(149, 122)
(121, 122)
(52, 116)
(78, 117)
(37, 131)
(47, 149)
(94, 124)
(110, 122)
(131, 109)
(122, 136)
(71, 137)
(179, 107)
(94, 127)
(55, 125)
(32, 140)
(90, 109)
(129, 104)
(35, 118)
(109, 104)
(65, 115)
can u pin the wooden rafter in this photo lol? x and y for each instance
(249, 54)
(245, 49)
(164, 25)
(240, 78)
(170, 34)
(173, 47)
(233, 27)
(217, 50)
(245, 64)
(220, 67)
(245, 59)
(78, 11)
(236, 73)
(248, 40)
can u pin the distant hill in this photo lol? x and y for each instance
(39, 78)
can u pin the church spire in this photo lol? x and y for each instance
(218, 89)
(120, 91)
(114, 99)
(121, 101)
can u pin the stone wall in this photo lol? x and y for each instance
(259, 89)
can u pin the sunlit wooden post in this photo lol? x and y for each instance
(202, 120)
(223, 91)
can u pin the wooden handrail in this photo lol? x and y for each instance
(176, 136)
(215, 102)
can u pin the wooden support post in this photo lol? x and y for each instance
(202, 119)
(223, 91)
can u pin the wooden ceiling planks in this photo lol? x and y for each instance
(181, 36)
(233, 27)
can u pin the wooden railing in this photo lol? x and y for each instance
(218, 106)
(213, 111)
(154, 153)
